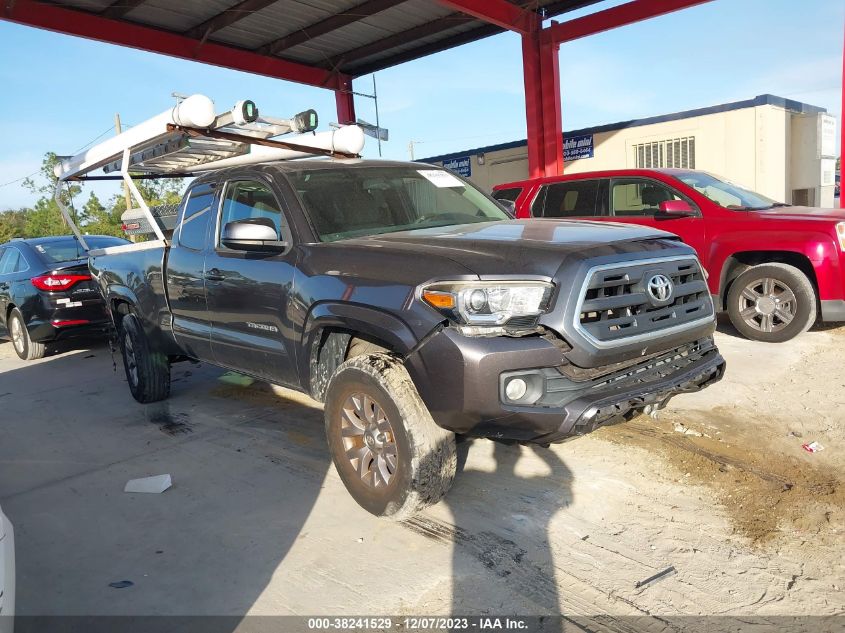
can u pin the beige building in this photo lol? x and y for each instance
(781, 148)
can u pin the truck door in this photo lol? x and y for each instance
(248, 291)
(185, 273)
(637, 200)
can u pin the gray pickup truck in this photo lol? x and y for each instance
(416, 309)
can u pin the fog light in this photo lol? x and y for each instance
(516, 388)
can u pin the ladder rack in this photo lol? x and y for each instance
(190, 138)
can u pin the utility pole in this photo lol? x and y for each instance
(411, 149)
(378, 125)
(118, 129)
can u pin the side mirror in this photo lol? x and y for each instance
(252, 234)
(509, 206)
(675, 209)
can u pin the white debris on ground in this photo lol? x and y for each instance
(152, 485)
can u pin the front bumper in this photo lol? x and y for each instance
(7, 577)
(460, 379)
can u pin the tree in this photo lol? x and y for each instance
(45, 218)
(12, 224)
(98, 220)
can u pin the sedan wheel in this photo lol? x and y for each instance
(25, 347)
(17, 336)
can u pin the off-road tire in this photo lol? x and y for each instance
(150, 380)
(24, 346)
(788, 276)
(426, 455)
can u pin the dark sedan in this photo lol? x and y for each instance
(46, 291)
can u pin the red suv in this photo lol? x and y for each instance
(773, 267)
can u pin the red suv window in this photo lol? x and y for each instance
(568, 199)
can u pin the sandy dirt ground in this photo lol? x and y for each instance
(717, 487)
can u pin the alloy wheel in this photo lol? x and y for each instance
(767, 305)
(17, 335)
(368, 440)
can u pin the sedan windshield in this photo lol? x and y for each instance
(724, 193)
(349, 202)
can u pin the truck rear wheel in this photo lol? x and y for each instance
(390, 454)
(772, 303)
(147, 372)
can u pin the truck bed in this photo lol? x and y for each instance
(134, 274)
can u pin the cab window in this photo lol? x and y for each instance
(250, 199)
(637, 197)
(510, 194)
(195, 217)
(569, 199)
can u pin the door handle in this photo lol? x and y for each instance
(214, 275)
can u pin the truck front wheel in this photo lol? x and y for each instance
(390, 454)
(772, 303)
(147, 372)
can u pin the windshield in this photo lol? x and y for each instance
(69, 249)
(724, 193)
(355, 201)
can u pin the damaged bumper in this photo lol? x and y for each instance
(464, 383)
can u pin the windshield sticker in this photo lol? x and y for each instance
(39, 248)
(440, 178)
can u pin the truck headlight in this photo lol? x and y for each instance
(840, 233)
(488, 307)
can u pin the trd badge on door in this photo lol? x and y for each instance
(262, 326)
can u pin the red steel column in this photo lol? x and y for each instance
(542, 105)
(533, 103)
(552, 121)
(842, 126)
(345, 101)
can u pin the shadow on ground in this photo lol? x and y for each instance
(248, 468)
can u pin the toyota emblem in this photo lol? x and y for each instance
(660, 288)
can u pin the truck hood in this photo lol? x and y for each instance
(802, 213)
(535, 246)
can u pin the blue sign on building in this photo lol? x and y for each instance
(460, 166)
(576, 147)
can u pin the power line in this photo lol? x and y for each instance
(86, 146)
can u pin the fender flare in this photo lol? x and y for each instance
(161, 338)
(362, 319)
(118, 294)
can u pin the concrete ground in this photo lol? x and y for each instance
(258, 522)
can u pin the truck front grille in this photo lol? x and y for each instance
(618, 305)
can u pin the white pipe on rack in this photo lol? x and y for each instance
(348, 139)
(195, 111)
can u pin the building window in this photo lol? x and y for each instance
(677, 152)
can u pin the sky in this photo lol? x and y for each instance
(61, 92)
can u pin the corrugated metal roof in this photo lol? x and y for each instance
(350, 36)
